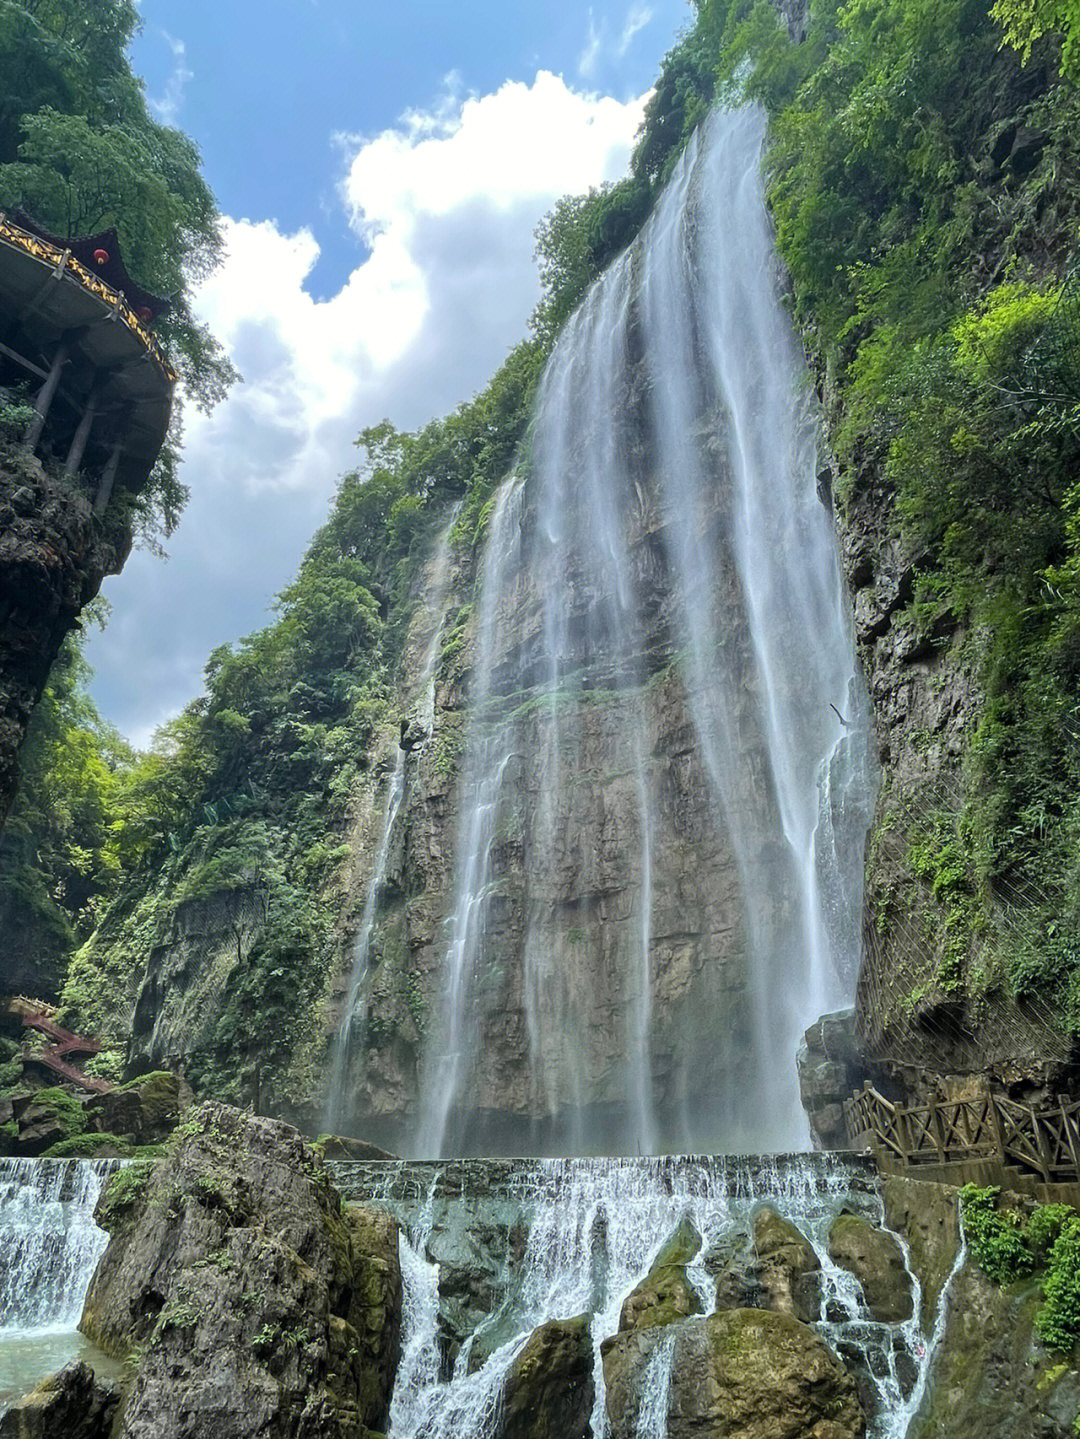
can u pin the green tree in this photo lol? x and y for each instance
(1027, 21)
(59, 860)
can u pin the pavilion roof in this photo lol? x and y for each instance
(87, 249)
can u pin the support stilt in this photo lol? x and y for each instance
(45, 397)
(108, 478)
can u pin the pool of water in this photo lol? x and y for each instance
(28, 1357)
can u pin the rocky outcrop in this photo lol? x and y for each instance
(71, 1404)
(928, 1216)
(665, 1294)
(876, 1260)
(54, 553)
(187, 970)
(373, 1322)
(549, 1386)
(740, 1374)
(923, 676)
(252, 1304)
(145, 1110)
(990, 1374)
(830, 1070)
(786, 1267)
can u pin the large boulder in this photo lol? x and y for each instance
(785, 1266)
(249, 1302)
(38, 1128)
(876, 1260)
(665, 1294)
(146, 1109)
(549, 1386)
(71, 1404)
(830, 1070)
(739, 1374)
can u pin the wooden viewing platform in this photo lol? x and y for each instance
(86, 343)
(1029, 1146)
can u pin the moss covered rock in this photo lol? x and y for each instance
(665, 1294)
(146, 1109)
(876, 1260)
(250, 1304)
(70, 1404)
(785, 1266)
(740, 1374)
(549, 1386)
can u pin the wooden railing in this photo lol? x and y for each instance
(1043, 1143)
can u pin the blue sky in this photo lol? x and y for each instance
(382, 169)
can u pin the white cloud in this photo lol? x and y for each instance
(444, 205)
(637, 18)
(167, 107)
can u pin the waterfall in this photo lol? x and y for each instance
(356, 998)
(48, 1240)
(355, 1014)
(489, 753)
(436, 595)
(592, 1230)
(49, 1247)
(667, 780)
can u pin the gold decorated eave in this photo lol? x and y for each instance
(104, 386)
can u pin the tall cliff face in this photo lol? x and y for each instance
(570, 898)
(601, 903)
(615, 868)
(931, 998)
(54, 553)
(662, 792)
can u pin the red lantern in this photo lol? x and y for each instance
(146, 315)
(101, 257)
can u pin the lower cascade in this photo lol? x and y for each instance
(630, 1261)
(50, 1245)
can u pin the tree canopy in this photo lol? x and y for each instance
(1027, 21)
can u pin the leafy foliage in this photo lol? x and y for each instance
(996, 1237)
(1027, 21)
(1007, 1248)
(59, 851)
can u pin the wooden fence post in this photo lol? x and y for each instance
(933, 1126)
(994, 1114)
(1041, 1145)
(1068, 1127)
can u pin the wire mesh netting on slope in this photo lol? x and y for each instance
(930, 999)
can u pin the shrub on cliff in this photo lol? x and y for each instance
(1008, 1247)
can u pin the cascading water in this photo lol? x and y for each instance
(49, 1246)
(593, 1229)
(355, 1013)
(354, 1020)
(667, 782)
